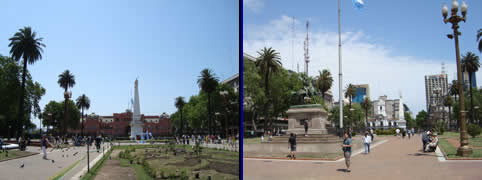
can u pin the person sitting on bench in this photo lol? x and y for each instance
(433, 144)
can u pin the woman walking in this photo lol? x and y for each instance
(367, 140)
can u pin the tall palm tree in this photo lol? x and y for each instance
(454, 90)
(269, 61)
(179, 103)
(83, 102)
(325, 80)
(366, 105)
(479, 38)
(350, 92)
(448, 102)
(470, 62)
(25, 44)
(208, 82)
(66, 81)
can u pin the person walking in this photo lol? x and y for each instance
(306, 127)
(404, 133)
(413, 131)
(371, 133)
(397, 131)
(367, 140)
(347, 150)
(44, 143)
(408, 132)
(292, 145)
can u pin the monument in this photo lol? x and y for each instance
(316, 116)
(136, 123)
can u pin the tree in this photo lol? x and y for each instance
(421, 118)
(254, 98)
(83, 102)
(269, 61)
(325, 81)
(350, 92)
(208, 82)
(479, 35)
(25, 44)
(454, 89)
(366, 105)
(449, 102)
(179, 103)
(66, 80)
(57, 111)
(470, 62)
(411, 123)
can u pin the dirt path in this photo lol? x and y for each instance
(113, 170)
(455, 143)
(396, 159)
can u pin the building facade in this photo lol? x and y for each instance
(119, 125)
(387, 114)
(361, 91)
(436, 88)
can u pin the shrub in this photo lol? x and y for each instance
(473, 130)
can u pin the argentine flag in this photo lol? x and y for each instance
(358, 4)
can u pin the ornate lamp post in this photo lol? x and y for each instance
(454, 19)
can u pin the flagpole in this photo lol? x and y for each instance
(340, 69)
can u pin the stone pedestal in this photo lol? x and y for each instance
(315, 114)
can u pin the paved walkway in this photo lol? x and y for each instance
(38, 168)
(396, 159)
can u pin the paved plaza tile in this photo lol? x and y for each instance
(396, 159)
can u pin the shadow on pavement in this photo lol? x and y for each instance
(422, 154)
(342, 170)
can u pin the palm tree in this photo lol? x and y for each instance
(325, 80)
(448, 102)
(471, 64)
(208, 82)
(350, 92)
(179, 103)
(83, 102)
(66, 80)
(25, 44)
(479, 35)
(366, 105)
(269, 61)
(454, 90)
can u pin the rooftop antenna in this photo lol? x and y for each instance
(293, 44)
(297, 67)
(307, 50)
(443, 67)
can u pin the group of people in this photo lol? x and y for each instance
(430, 141)
(408, 132)
(76, 140)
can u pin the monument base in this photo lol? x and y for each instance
(299, 131)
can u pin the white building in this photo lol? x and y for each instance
(387, 114)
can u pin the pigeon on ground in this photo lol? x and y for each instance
(67, 155)
(62, 155)
(75, 153)
(21, 166)
(53, 161)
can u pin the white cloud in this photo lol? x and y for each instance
(253, 5)
(364, 61)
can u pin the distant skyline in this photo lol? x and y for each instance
(390, 45)
(108, 44)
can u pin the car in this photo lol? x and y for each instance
(10, 146)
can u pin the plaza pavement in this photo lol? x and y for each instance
(395, 159)
(38, 168)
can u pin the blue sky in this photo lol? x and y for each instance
(107, 44)
(390, 45)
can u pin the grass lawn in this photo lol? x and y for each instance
(451, 151)
(94, 169)
(157, 161)
(12, 154)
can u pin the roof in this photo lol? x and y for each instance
(236, 76)
(248, 57)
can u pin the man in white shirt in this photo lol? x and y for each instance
(367, 140)
(433, 144)
(397, 131)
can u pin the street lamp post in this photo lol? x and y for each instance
(224, 94)
(454, 19)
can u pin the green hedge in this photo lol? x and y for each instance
(385, 132)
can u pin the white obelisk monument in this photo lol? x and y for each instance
(136, 123)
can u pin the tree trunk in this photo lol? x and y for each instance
(450, 117)
(209, 113)
(66, 115)
(19, 130)
(266, 92)
(82, 133)
(182, 123)
(253, 120)
(471, 99)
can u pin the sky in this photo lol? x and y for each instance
(108, 44)
(390, 45)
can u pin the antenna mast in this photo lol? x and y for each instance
(307, 55)
(292, 45)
